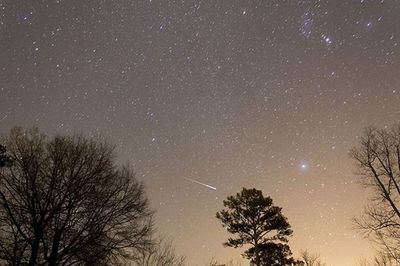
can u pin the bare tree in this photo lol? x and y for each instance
(383, 260)
(4, 158)
(215, 262)
(63, 201)
(379, 260)
(311, 259)
(378, 160)
(161, 253)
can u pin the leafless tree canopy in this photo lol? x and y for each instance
(63, 201)
(161, 253)
(381, 259)
(378, 159)
(310, 259)
(215, 262)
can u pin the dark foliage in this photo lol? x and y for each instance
(254, 220)
(273, 254)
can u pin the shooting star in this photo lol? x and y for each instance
(197, 182)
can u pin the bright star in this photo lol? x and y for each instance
(328, 40)
(303, 166)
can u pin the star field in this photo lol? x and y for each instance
(230, 94)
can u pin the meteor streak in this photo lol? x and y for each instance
(197, 182)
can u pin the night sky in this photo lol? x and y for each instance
(220, 94)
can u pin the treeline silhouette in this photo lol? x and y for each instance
(65, 201)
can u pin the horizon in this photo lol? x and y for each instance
(204, 98)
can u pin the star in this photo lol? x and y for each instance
(229, 94)
(327, 39)
(303, 166)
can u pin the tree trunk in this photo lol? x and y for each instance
(34, 251)
(54, 249)
(257, 258)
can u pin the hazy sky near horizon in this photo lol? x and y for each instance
(206, 97)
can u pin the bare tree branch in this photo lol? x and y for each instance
(64, 201)
(378, 161)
